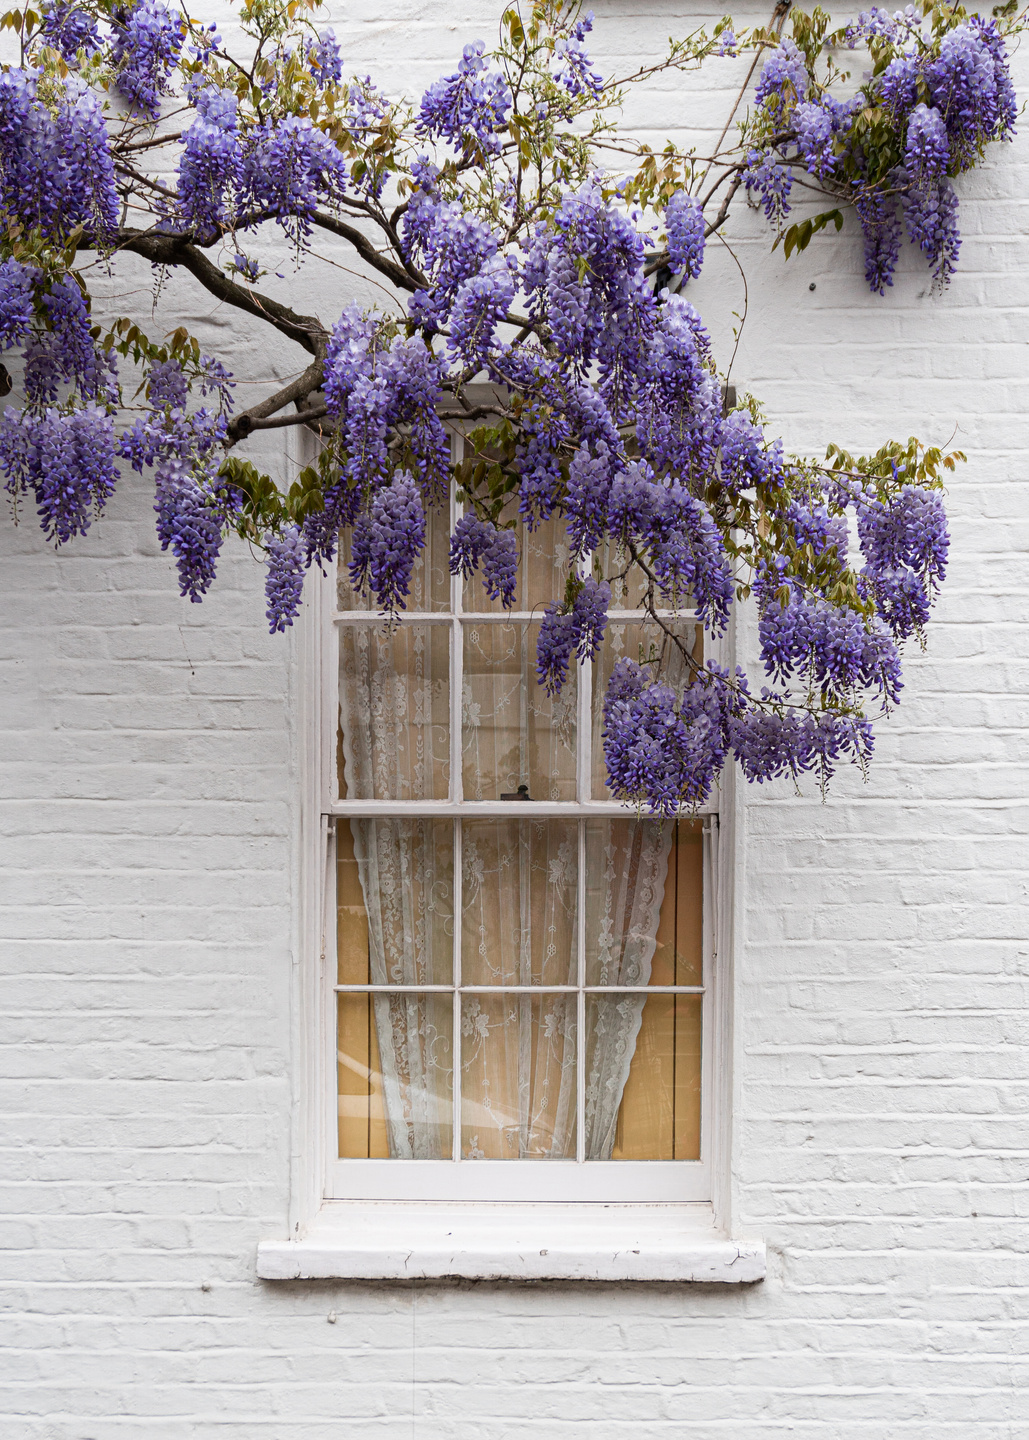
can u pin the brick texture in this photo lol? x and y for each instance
(147, 840)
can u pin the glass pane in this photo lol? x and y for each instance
(394, 702)
(353, 958)
(519, 884)
(643, 1071)
(679, 954)
(395, 899)
(395, 1076)
(518, 1077)
(629, 590)
(514, 733)
(430, 579)
(544, 558)
(641, 643)
(362, 1114)
(644, 902)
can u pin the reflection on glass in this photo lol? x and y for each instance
(519, 890)
(395, 901)
(395, 1076)
(545, 557)
(644, 905)
(518, 1077)
(514, 733)
(430, 578)
(643, 1072)
(644, 644)
(394, 697)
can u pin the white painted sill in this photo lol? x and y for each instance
(417, 1240)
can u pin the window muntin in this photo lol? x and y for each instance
(471, 958)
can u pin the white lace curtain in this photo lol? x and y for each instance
(520, 898)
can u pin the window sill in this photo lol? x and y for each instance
(415, 1240)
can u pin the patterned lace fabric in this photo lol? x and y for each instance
(520, 888)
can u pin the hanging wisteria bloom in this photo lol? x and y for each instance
(684, 218)
(284, 587)
(211, 168)
(147, 44)
(468, 107)
(56, 171)
(69, 29)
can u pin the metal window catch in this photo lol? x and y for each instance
(522, 793)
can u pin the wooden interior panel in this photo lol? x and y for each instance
(659, 1117)
(362, 1116)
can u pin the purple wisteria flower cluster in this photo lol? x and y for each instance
(478, 544)
(684, 218)
(193, 506)
(575, 70)
(524, 365)
(146, 49)
(56, 171)
(69, 29)
(470, 107)
(945, 95)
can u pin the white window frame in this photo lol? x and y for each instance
(699, 1217)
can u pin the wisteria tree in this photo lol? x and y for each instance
(537, 255)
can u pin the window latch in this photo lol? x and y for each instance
(522, 793)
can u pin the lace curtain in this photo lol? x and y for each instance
(520, 918)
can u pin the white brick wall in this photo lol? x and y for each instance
(147, 848)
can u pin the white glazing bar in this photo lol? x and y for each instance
(584, 729)
(580, 1001)
(371, 989)
(584, 780)
(614, 614)
(456, 655)
(584, 763)
(455, 1044)
(456, 793)
(404, 617)
(492, 617)
(645, 990)
(487, 809)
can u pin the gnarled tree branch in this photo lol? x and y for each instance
(174, 250)
(256, 418)
(406, 276)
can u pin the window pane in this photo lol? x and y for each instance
(430, 579)
(514, 733)
(518, 1077)
(679, 954)
(394, 696)
(544, 555)
(629, 591)
(651, 1044)
(632, 640)
(395, 1076)
(519, 892)
(644, 908)
(395, 898)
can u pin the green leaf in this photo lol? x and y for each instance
(798, 237)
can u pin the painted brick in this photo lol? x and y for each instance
(147, 845)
